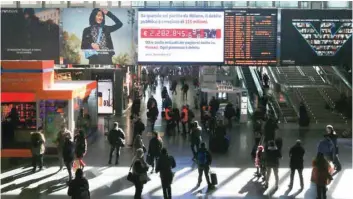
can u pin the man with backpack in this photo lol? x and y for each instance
(116, 138)
(38, 149)
(204, 160)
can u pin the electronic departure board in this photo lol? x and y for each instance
(250, 37)
(321, 37)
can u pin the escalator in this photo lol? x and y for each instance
(250, 84)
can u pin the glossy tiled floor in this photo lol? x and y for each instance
(235, 170)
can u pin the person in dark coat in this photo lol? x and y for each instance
(154, 149)
(195, 139)
(273, 155)
(37, 149)
(164, 93)
(176, 118)
(204, 160)
(152, 115)
(151, 101)
(270, 128)
(60, 139)
(139, 169)
(68, 155)
(79, 187)
(333, 136)
(81, 147)
(185, 90)
(139, 127)
(304, 119)
(165, 164)
(103, 45)
(116, 138)
(296, 155)
(173, 87)
(214, 103)
(229, 113)
(135, 108)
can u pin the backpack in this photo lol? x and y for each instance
(202, 157)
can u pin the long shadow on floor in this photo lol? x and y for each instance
(16, 176)
(116, 186)
(14, 186)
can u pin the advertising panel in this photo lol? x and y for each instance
(30, 34)
(180, 36)
(321, 37)
(98, 36)
(105, 97)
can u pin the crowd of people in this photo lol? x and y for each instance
(266, 153)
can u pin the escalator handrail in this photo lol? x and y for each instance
(338, 73)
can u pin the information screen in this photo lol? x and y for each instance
(180, 36)
(250, 37)
(105, 97)
(321, 37)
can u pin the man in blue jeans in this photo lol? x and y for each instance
(204, 160)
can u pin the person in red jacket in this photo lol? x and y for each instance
(184, 118)
(321, 175)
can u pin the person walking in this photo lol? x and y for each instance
(273, 155)
(152, 114)
(204, 160)
(139, 171)
(37, 149)
(176, 117)
(185, 89)
(195, 139)
(60, 139)
(68, 155)
(321, 175)
(139, 127)
(79, 187)
(116, 138)
(154, 149)
(333, 136)
(296, 155)
(81, 147)
(164, 166)
(138, 144)
(184, 118)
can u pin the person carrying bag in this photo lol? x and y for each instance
(138, 173)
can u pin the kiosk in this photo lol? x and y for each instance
(32, 99)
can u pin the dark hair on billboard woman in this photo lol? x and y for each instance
(96, 40)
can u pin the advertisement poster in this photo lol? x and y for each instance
(30, 34)
(105, 97)
(98, 36)
(316, 37)
(180, 36)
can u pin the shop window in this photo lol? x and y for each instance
(152, 3)
(164, 4)
(8, 4)
(177, 3)
(337, 4)
(261, 4)
(215, 4)
(287, 4)
(239, 4)
(189, 3)
(138, 4)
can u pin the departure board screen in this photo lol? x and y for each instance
(316, 37)
(250, 37)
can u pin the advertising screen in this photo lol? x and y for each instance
(24, 114)
(105, 97)
(30, 34)
(180, 36)
(250, 37)
(321, 37)
(97, 36)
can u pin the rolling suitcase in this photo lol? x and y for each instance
(214, 180)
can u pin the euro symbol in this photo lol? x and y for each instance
(145, 33)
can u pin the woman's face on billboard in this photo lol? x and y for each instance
(99, 17)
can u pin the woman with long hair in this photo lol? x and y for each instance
(139, 171)
(321, 175)
(96, 39)
(81, 147)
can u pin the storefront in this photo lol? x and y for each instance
(32, 99)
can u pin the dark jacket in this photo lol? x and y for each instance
(153, 113)
(229, 111)
(185, 88)
(164, 93)
(195, 136)
(68, 151)
(176, 114)
(150, 101)
(296, 154)
(81, 146)
(38, 143)
(164, 165)
(139, 127)
(115, 136)
(79, 189)
(87, 39)
(155, 146)
(136, 106)
(273, 155)
(333, 137)
(208, 156)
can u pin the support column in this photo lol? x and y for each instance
(38, 119)
(70, 117)
(118, 92)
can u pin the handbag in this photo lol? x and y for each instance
(144, 149)
(130, 176)
(90, 52)
(149, 159)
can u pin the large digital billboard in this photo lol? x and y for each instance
(322, 37)
(98, 36)
(250, 37)
(180, 36)
(30, 34)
